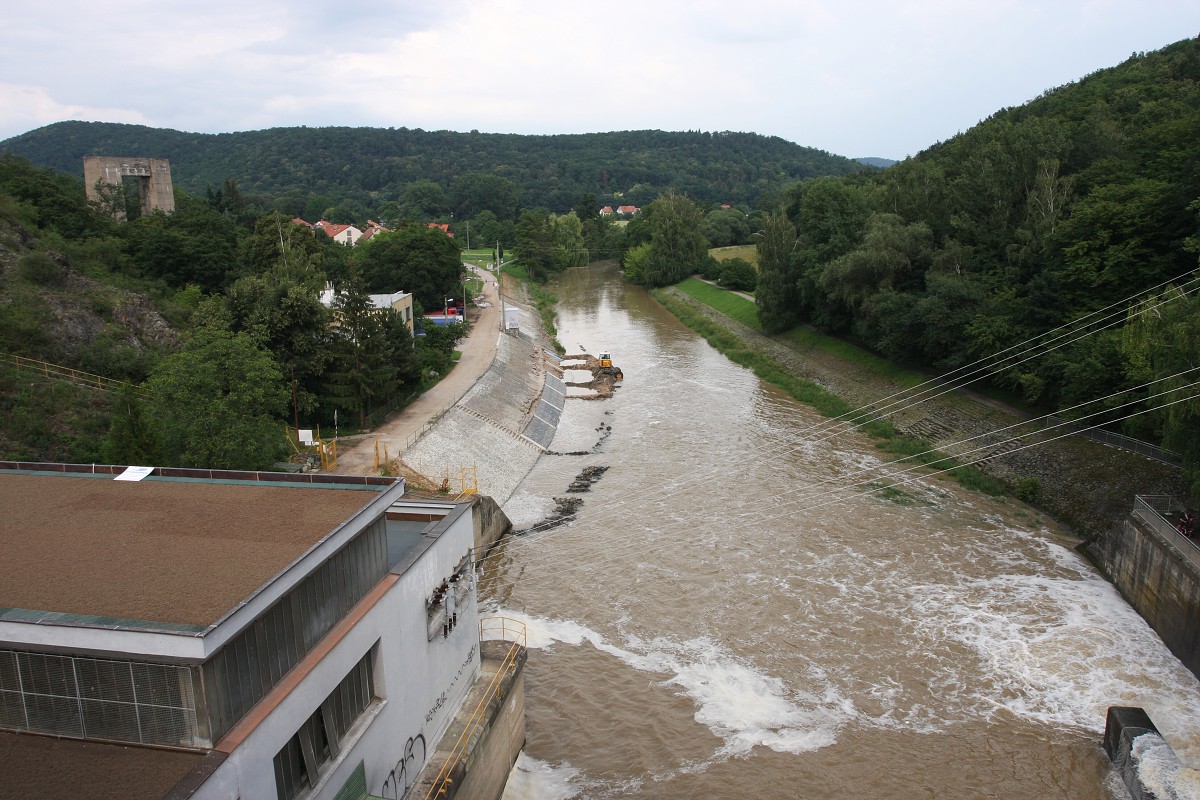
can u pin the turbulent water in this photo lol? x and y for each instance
(738, 611)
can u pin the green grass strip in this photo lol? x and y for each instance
(729, 303)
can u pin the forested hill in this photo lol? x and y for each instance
(1085, 199)
(370, 166)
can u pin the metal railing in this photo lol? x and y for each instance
(413, 437)
(1119, 441)
(504, 629)
(1153, 509)
(75, 376)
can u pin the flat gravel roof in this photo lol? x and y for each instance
(48, 768)
(162, 551)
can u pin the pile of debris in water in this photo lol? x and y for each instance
(584, 480)
(565, 508)
(601, 385)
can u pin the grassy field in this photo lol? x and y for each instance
(728, 303)
(746, 312)
(746, 252)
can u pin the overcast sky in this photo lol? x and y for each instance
(853, 77)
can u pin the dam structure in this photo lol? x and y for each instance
(501, 426)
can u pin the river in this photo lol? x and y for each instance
(734, 613)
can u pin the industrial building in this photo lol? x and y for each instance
(198, 634)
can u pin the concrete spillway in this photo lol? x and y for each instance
(500, 426)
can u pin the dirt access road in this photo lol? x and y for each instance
(478, 352)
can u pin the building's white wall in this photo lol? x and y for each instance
(422, 683)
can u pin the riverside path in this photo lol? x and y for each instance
(478, 352)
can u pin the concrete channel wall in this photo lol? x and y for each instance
(1158, 577)
(501, 425)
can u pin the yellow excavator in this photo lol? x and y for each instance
(606, 366)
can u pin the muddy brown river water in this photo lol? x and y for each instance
(734, 614)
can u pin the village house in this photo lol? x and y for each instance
(400, 302)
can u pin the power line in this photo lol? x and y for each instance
(753, 451)
(604, 550)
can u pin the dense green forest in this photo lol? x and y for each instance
(1079, 209)
(210, 319)
(397, 173)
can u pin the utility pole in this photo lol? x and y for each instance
(499, 294)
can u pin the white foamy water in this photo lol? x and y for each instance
(737, 702)
(531, 779)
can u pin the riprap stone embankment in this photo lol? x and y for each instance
(501, 426)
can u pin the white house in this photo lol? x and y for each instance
(400, 302)
(342, 234)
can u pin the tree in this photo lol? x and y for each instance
(476, 191)
(363, 372)
(566, 232)
(778, 285)
(285, 316)
(677, 245)
(218, 403)
(436, 347)
(487, 230)
(193, 245)
(1162, 339)
(725, 227)
(739, 275)
(416, 259)
(634, 263)
(892, 256)
(277, 240)
(425, 199)
(535, 244)
(130, 438)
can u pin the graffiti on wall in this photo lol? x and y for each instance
(444, 697)
(404, 774)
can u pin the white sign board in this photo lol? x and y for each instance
(134, 473)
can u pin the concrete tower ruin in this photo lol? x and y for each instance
(151, 175)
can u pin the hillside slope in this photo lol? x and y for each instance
(373, 164)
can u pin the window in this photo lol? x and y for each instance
(94, 698)
(298, 765)
(243, 671)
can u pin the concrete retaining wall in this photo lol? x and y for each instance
(491, 524)
(500, 426)
(489, 765)
(1157, 580)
